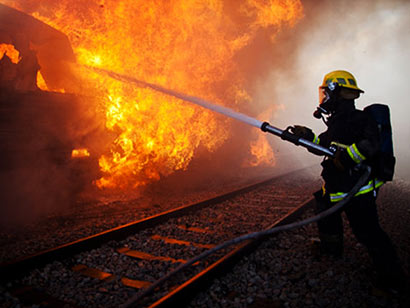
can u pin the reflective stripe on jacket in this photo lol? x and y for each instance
(373, 184)
(316, 139)
(355, 154)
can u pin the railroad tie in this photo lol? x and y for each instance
(179, 242)
(195, 229)
(106, 277)
(146, 256)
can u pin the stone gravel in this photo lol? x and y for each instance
(282, 272)
(225, 221)
(286, 271)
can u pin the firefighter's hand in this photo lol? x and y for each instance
(303, 132)
(342, 160)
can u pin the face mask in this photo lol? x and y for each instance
(327, 99)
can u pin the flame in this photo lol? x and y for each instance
(262, 154)
(11, 52)
(41, 82)
(189, 46)
(42, 85)
(260, 149)
(80, 153)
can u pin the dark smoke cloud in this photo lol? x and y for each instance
(368, 38)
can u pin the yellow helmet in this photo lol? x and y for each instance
(342, 78)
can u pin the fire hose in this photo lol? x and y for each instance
(265, 127)
(362, 181)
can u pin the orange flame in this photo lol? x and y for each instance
(79, 153)
(261, 153)
(11, 52)
(260, 149)
(189, 46)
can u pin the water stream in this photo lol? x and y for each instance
(192, 99)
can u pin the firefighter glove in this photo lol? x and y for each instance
(342, 161)
(303, 132)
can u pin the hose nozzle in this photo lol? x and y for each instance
(264, 126)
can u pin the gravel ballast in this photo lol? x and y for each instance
(287, 272)
(282, 272)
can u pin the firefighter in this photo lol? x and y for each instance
(355, 135)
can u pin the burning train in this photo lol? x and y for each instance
(45, 155)
(68, 116)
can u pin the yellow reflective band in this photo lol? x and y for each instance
(358, 152)
(316, 139)
(340, 145)
(336, 197)
(355, 154)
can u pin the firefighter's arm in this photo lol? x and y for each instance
(319, 141)
(367, 147)
(361, 150)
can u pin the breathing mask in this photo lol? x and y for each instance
(327, 99)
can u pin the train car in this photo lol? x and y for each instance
(45, 138)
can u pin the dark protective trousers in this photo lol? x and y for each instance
(361, 212)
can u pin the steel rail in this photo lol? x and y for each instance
(182, 295)
(18, 268)
(258, 235)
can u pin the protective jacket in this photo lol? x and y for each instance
(357, 134)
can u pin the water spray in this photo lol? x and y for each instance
(264, 126)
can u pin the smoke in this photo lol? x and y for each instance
(279, 68)
(368, 38)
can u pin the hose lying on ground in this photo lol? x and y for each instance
(362, 181)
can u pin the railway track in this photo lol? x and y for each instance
(106, 269)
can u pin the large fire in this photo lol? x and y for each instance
(189, 46)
